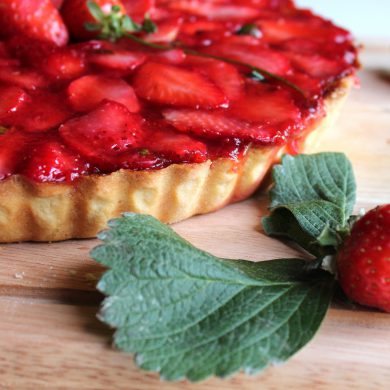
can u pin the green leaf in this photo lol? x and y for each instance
(188, 314)
(257, 75)
(312, 201)
(148, 25)
(250, 29)
(95, 11)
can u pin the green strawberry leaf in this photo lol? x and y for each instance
(312, 201)
(188, 314)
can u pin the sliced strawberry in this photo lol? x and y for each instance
(263, 105)
(317, 66)
(65, 64)
(214, 10)
(264, 58)
(199, 26)
(32, 52)
(57, 3)
(174, 56)
(103, 133)
(219, 125)
(11, 100)
(164, 141)
(310, 86)
(167, 31)
(226, 77)
(22, 77)
(12, 145)
(122, 60)
(35, 19)
(87, 92)
(138, 8)
(43, 110)
(76, 14)
(276, 30)
(51, 161)
(168, 84)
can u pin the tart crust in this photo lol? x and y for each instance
(31, 211)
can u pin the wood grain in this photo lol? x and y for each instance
(50, 337)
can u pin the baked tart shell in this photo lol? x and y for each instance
(32, 211)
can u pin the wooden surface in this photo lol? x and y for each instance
(50, 337)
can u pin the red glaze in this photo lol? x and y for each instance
(96, 106)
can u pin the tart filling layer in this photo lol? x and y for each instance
(94, 107)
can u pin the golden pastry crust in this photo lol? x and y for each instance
(54, 212)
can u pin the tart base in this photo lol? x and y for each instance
(52, 212)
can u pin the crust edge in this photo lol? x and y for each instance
(53, 212)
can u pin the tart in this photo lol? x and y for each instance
(91, 128)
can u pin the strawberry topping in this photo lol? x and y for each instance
(87, 92)
(171, 85)
(52, 161)
(103, 133)
(34, 19)
(174, 81)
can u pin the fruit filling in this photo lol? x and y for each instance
(93, 87)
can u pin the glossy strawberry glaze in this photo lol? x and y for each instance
(95, 107)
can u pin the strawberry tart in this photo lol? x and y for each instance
(168, 107)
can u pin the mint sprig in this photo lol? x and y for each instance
(188, 314)
(115, 25)
(312, 201)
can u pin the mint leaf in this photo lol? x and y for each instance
(312, 201)
(250, 29)
(188, 314)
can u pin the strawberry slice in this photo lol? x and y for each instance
(88, 91)
(174, 56)
(264, 58)
(22, 77)
(168, 84)
(219, 125)
(11, 100)
(34, 19)
(122, 60)
(317, 66)
(310, 86)
(65, 64)
(277, 30)
(12, 145)
(31, 52)
(226, 77)
(103, 133)
(51, 161)
(43, 110)
(137, 9)
(57, 3)
(214, 10)
(263, 105)
(167, 31)
(164, 141)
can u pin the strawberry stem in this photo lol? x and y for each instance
(115, 25)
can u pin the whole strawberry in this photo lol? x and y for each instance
(364, 260)
(34, 19)
(77, 14)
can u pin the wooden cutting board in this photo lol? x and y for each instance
(50, 337)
